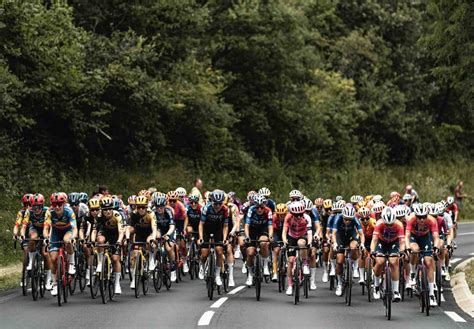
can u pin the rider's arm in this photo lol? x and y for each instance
(47, 224)
(120, 227)
(153, 225)
(285, 229)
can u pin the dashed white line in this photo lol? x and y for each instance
(466, 233)
(471, 254)
(454, 316)
(236, 290)
(206, 318)
(442, 298)
(455, 260)
(219, 302)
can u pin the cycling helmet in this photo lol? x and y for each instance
(141, 200)
(259, 200)
(354, 199)
(420, 210)
(142, 192)
(394, 194)
(83, 197)
(217, 196)
(73, 198)
(37, 200)
(337, 206)
(440, 208)
(295, 194)
(264, 191)
(131, 199)
(94, 204)
(400, 211)
(281, 209)
(181, 192)
(407, 197)
(159, 201)
(327, 204)
(348, 212)
(116, 203)
(106, 203)
(377, 198)
(378, 207)
(388, 216)
(343, 202)
(360, 198)
(193, 198)
(58, 197)
(172, 195)
(319, 202)
(432, 209)
(364, 212)
(308, 204)
(296, 207)
(339, 198)
(26, 199)
(450, 200)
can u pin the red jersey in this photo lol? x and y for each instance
(452, 208)
(277, 222)
(179, 210)
(421, 229)
(389, 233)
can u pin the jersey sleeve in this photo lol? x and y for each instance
(270, 217)
(315, 215)
(26, 218)
(248, 216)
(378, 228)
(433, 225)
(153, 220)
(335, 223)
(309, 223)
(286, 222)
(204, 214)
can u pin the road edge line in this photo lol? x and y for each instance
(460, 289)
(206, 318)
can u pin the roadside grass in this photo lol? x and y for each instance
(10, 281)
(469, 271)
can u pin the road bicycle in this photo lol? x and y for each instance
(421, 285)
(299, 279)
(193, 256)
(162, 272)
(63, 278)
(282, 266)
(37, 273)
(347, 274)
(210, 266)
(258, 275)
(105, 277)
(142, 274)
(386, 292)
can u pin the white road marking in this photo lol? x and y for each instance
(442, 298)
(471, 254)
(206, 318)
(454, 260)
(454, 316)
(218, 303)
(236, 290)
(466, 233)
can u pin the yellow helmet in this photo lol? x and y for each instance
(281, 209)
(368, 198)
(94, 204)
(327, 204)
(141, 200)
(106, 202)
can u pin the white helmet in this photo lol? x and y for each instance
(259, 199)
(450, 200)
(348, 211)
(388, 216)
(296, 207)
(308, 204)
(354, 199)
(420, 209)
(378, 207)
(377, 198)
(407, 197)
(364, 212)
(337, 206)
(264, 191)
(432, 209)
(400, 210)
(360, 198)
(296, 194)
(440, 208)
(181, 191)
(338, 198)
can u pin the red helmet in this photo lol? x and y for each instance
(26, 199)
(58, 197)
(319, 202)
(38, 200)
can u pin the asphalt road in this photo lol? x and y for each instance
(186, 305)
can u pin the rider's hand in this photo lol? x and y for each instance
(334, 246)
(46, 241)
(247, 239)
(373, 254)
(166, 237)
(435, 250)
(362, 247)
(200, 241)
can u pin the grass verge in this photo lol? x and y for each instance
(469, 271)
(9, 281)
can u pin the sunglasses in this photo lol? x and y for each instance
(141, 207)
(217, 203)
(94, 210)
(37, 207)
(57, 205)
(421, 217)
(172, 201)
(75, 204)
(107, 209)
(193, 202)
(261, 207)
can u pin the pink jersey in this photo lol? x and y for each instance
(180, 212)
(297, 227)
(422, 228)
(389, 233)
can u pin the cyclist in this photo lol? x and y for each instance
(277, 222)
(143, 225)
(335, 214)
(60, 225)
(318, 204)
(325, 232)
(388, 238)
(214, 220)
(88, 224)
(445, 234)
(266, 193)
(295, 195)
(166, 228)
(34, 222)
(20, 217)
(80, 209)
(258, 226)
(131, 205)
(193, 210)
(296, 232)
(316, 227)
(181, 221)
(420, 232)
(346, 233)
(182, 195)
(368, 226)
(234, 226)
(453, 210)
(109, 229)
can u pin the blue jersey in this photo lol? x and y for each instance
(332, 218)
(350, 228)
(271, 204)
(64, 222)
(252, 218)
(219, 218)
(163, 221)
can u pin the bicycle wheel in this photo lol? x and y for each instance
(258, 276)
(25, 277)
(167, 271)
(94, 280)
(42, 278)
(103, 280)
(401, 270)
(425, 288)
(421, 291)
(296, 281)
(158, 273)
(348, 283)
(368, 280)
(81, 273)
(59, 279)
(439, 282)
(111, 281)
(281, 271)
(145, 276)
(210, 276)
(306, 286)
(388, 293)
(35, 277)
(138, 277)
(225, 278)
